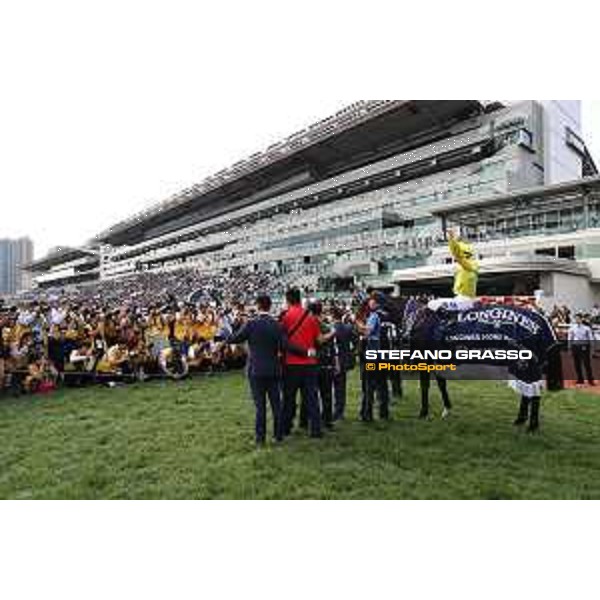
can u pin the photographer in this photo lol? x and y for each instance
(173, 363)
(326, 362)
(81, 363)
(301, 372)
(344, 342)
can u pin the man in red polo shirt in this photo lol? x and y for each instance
(301, 372)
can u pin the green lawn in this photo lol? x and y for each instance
(195, 440)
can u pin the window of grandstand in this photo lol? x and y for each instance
(567, 252)
(546, 252)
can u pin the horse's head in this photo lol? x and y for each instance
(417, 320)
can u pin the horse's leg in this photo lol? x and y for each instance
(443, 386)
(397, 384)
(424, 385)
(523, 411)
(363, 393)
(383, 395)
(534, 419)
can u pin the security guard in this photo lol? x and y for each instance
(374, 383)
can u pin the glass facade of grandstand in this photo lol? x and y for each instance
(534, 220)
(360, 234)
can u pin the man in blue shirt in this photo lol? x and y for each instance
(375, 383)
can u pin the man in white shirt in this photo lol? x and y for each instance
(581, 338)
(57, 316)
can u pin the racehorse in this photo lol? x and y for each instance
(505, 327)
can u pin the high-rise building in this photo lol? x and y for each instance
(14, 256)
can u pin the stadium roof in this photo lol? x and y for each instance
(351, 138)
(58, 256)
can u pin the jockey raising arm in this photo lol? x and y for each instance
(467, 273)
(465, 278)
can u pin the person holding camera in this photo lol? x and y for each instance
(301, 372)
(266, 342)
(326, 367)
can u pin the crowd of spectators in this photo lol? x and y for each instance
(562, 317)
(168, 324)
(149, 325)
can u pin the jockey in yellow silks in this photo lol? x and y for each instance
(465, 278)
(467, 272)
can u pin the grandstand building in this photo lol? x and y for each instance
(359, 197)
(64, 267)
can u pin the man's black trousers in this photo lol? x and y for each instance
(303, 379)
(263, 388)
(582, 360)
(340, 390)
(375, 384)
(326, 394)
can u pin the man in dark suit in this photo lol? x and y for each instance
(266, 341)
(344, 341)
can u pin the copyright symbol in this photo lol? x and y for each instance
(371, 366)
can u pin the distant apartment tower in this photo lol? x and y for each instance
(14, 256)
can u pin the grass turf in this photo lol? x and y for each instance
(195, 440)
